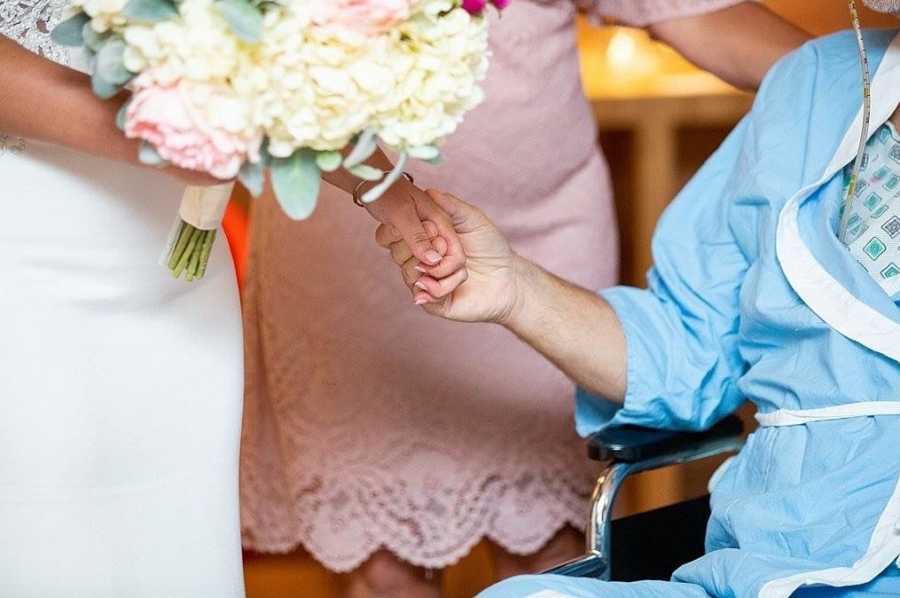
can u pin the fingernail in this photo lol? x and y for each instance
(421, 269)
(432, 257)
(420, 285)
(421, 301)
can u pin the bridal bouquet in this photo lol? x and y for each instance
(242, 88)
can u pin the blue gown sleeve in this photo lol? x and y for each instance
(682, 331)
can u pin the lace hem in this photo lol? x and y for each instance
(448, 561)
(521, 515)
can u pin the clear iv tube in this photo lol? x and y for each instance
(867, 108)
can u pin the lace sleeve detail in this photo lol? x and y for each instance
(29, 23)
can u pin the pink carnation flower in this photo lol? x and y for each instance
(477, 6)
(365, 16)
(167, 118)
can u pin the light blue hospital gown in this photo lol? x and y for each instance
(753, 297)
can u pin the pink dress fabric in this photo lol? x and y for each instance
(370, 425)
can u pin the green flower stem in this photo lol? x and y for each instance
(190, 253)
(191, 271)
(183, 260)
(207, 250)
(184, 235)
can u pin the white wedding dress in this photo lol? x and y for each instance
(120, 388)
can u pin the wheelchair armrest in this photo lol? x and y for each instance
(630, 450)
(632, 444)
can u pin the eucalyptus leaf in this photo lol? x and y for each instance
(296, 183)
(151, 11)
(93, 40)
(329, 161)
(69, 32)
(366, 172)
(363, 150)
(245, 20)
(102, 88)
(111, 63)
(148, 155)
(121, 115)
(424, 152)
(252, 176)
(265, 158)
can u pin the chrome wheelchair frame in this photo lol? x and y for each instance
(629, 451)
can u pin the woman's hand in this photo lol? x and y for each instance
(490, 273)
(404, 209)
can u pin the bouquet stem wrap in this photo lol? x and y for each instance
(192, 237)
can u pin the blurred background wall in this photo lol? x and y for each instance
(659, 118)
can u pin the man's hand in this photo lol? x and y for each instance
(489, 292)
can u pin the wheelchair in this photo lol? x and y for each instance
(654, 544)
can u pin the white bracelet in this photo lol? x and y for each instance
(357, 191)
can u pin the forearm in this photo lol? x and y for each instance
(71, 116)
(738, 44)
(44, 101)
(575, 329)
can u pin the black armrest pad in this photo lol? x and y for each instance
(630, 444)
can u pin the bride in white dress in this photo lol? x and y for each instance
(120, 388)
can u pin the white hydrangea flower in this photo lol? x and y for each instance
(199, 45)
(450, 57)
(105, 14)
(413, 84)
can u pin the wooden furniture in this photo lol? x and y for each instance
(670, 138)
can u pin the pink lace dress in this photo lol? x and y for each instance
(369, 424)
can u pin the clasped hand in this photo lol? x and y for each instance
(476, 279)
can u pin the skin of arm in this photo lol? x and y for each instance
(738, 44)
(71, 116)
(563, 322)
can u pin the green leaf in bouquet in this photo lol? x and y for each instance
(148, 155)
(151, 11)
(245, 20)
(69, 32)
(265, 158)
(329, 161)
(424, 152)
(366, 172)
(296, 183)
(252, 176)
(102, 88)
(110, 64)
(121, 115)
(93, 41)
(363, 150)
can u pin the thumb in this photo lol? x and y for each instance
(465, 217)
